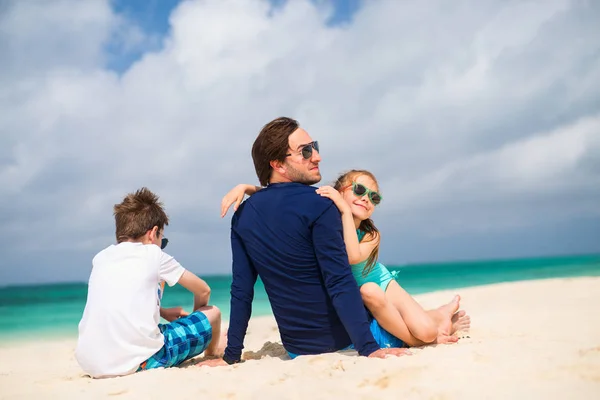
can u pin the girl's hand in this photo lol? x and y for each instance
(236, 195)
(336, 197)
(171, 314)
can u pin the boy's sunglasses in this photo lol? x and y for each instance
(164, 243)
(307, 150)
(360, 190)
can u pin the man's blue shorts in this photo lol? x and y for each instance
(383, 338)
(185, 338)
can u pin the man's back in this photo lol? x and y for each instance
(292, 238)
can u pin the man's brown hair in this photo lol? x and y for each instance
(272, 144)
(138, 213)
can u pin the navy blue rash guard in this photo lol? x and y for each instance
(292, 238)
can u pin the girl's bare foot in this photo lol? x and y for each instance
(445, 339)
(461, 322)
(444, 316)
(450, 321)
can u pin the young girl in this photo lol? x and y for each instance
(356, 194)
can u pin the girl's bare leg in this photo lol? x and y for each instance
(419, 322)
(424, 324)
(391, 319)
(398, 313)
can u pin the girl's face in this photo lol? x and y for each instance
(361, 206)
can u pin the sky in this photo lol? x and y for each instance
(480, 119)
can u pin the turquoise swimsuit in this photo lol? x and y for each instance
(379, 274)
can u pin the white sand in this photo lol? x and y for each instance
(529, 340)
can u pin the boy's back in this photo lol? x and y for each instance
(119, 328)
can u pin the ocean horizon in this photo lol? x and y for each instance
(54, 309)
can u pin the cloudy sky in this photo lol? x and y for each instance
(481, 120)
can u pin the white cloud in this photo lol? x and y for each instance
(40, 35)
(488, 104)
(550, 169)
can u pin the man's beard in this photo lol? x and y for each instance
(301, 177)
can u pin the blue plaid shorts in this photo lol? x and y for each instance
(185, 338)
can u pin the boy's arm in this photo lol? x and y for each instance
(197, 286)
(173, 313)
(172, 272)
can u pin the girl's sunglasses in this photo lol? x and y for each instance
(360, 190)
(307, 150)
(164, 243)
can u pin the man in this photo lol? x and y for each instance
(292, 238)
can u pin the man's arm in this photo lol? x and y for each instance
(341, 286)
(242, 294)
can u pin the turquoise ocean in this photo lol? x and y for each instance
(54, 310)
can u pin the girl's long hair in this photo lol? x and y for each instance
(366, 225)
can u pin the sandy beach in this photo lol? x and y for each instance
(536, 339)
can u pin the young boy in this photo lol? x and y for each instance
(119, 332)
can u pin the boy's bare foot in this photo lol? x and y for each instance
(222, 342)
(461, 322)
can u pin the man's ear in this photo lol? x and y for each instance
(277, 166)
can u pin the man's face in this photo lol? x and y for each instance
(300, 169)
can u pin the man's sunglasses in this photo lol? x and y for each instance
(307, 150)
(360, 190)
(164, 243)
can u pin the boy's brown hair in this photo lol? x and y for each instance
(366, 225)
(138, 213)
(272, 144)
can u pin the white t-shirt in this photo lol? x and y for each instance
(119, 326)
